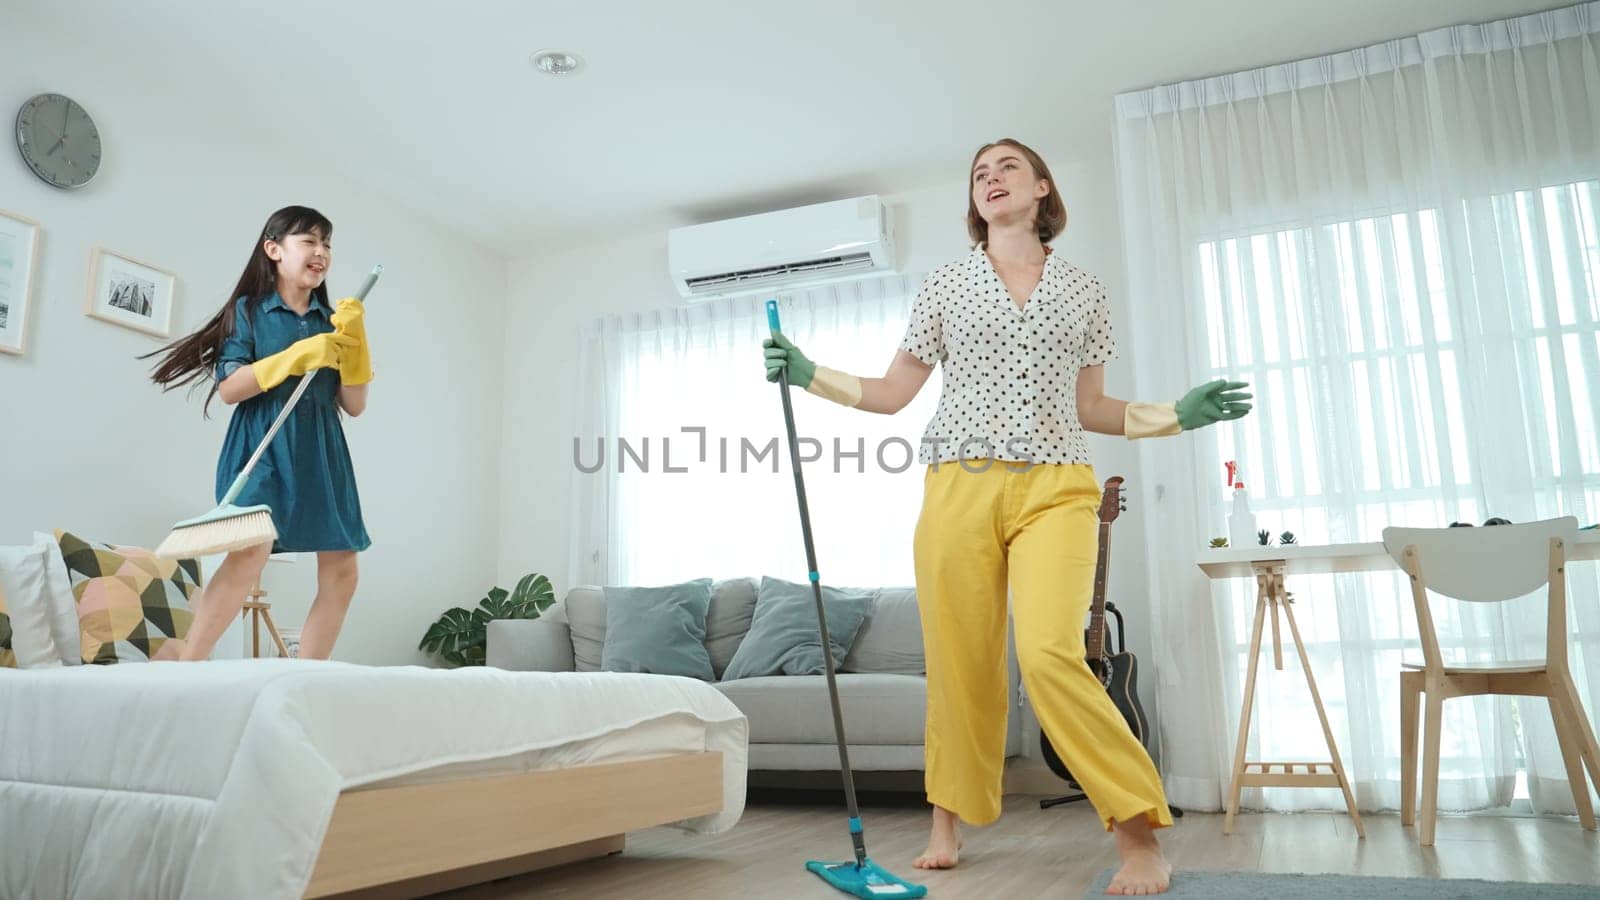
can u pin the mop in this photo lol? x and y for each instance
(863, 877)
(228, 527)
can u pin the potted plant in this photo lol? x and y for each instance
(459, 637)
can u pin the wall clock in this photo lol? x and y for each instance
(58, 140)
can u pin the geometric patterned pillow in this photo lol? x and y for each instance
(132, 606)
(8, 656)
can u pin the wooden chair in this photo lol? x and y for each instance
(1488, 565)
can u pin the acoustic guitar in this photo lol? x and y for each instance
(1118, 672)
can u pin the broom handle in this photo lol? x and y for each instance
(294, 398)
(857, 838)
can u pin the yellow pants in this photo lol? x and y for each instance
(1038, 526)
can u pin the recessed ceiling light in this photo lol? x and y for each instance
(556, 62)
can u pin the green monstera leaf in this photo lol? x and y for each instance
(460, 636)
(532, 596)
(457, 631)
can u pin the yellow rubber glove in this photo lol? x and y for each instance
(320, 351)
(355, 362)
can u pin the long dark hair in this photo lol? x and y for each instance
(193, 359)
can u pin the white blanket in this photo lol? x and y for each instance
(205, 780)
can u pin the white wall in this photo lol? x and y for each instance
(462, 480)
(88, 444)
(553, 292)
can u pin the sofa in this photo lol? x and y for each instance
(882, 683)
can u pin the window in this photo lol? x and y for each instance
(692, 394)
(1407, 365)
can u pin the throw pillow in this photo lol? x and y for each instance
(659, 630)
(62, 607)
(733, 602)
(132, 606)
(8, 656)
(584, 611)
(25, 640)
(784, 638)
(890, 643)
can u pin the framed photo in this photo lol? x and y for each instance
(19, 256)
(130, 293)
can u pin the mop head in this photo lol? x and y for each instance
(223, 530)
(867, 880)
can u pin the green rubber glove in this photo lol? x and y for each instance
(1208, 404)
(781, 354)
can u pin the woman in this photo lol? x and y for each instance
(1010, 496)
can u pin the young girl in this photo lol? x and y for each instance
(1009, 496)
(276, 327)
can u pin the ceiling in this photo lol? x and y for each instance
(692, 110)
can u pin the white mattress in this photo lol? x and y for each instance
(203, 780)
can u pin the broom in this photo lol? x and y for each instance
(228, 527)
(860, 876)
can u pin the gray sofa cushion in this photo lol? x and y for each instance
(529, 645)
(890, 642)
(794, 709)
(585, 613)
(658, 630)
(733, 602)
(784, 639)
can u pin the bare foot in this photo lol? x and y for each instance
(1144, 869)
(944, 844)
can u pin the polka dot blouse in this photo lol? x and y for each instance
(1010, 375)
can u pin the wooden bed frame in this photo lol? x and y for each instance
(412, 840)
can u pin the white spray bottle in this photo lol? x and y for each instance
(1241, 521)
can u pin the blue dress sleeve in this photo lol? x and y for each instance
(240, 347)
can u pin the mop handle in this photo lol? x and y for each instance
(856, 836)
(294, 398)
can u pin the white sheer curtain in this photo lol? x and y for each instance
(1398, 247)
(683, 389)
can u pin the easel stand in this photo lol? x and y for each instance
(260, 613)
(1272, 594)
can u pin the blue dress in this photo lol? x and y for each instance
(305, 476)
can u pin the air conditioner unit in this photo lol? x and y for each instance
(803, 246)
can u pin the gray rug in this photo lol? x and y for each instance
(1275, 886)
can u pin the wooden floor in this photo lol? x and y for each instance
(1050, 853)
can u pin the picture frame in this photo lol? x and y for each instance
(19, 260)
(131, 293)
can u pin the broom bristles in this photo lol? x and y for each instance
(221, 536)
